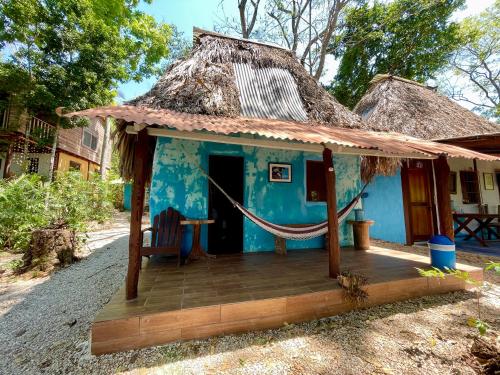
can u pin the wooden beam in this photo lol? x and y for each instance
(249, 140)
(442, 173)
(141, 162)
(333, 222)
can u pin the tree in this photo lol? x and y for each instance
(476, 65)
(245, 23)
(73, 53)
(303, 26)
(409, 38)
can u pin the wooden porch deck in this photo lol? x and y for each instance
(253, 291)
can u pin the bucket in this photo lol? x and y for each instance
(442, 252)
(359, 214)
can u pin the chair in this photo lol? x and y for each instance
(166, 235)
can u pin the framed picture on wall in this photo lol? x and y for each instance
(488, 181)
(280, 172)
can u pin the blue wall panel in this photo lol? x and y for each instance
(127, 196)
(177, 182)
(384, 204)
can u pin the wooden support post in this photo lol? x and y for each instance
(141, 163)
(333, 222)
(442, 174)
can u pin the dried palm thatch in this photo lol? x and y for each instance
(125, 144)
(205, 83)
(372, 166)
(400, 105)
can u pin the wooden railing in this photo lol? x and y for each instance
(4, 120)
(39, 129)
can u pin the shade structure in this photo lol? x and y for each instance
(308, 133)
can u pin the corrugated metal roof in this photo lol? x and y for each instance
(268, 93)
(391, 144)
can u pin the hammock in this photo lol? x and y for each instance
(290, 233)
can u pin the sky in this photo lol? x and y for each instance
(205, 13)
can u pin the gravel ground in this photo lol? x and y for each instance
(45, 324)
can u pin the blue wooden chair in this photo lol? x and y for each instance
(166, 235)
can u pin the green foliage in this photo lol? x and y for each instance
(27, 203)
(493, 266)
(72, 53)
(437, 273)
(409, 38)
(478, 62)
(22, 209)
(75, 201)
(477, 323)
(15, 265)
(433, 272)
(481, 326)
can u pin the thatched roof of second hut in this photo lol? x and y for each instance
(400, 105)
(230, 77)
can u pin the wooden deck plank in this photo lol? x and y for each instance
(251, 292)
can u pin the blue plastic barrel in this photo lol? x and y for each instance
(442, 252)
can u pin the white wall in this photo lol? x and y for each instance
(43, 163)
(489, 197)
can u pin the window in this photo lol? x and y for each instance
(33, 165)
(453, 182)
(74, 166)
(89, 140)
(315, 181)
(470, 186)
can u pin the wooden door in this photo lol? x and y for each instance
(418, 200)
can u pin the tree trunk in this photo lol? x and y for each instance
(53, 150)
(105, 147)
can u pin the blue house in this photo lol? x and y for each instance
(240, 141)
(249, 116)
(404, 205)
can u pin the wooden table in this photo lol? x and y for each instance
(483, 220)
(197, 250)
(361, 233)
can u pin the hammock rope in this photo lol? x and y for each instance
(305, 232)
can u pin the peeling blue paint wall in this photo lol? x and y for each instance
(384, 204)
(178, 183)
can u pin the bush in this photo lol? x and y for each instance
(26, 203)
(22, 209)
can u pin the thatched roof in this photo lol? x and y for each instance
(230, 77)
(206, 83)
(400, 105)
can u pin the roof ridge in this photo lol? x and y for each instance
(382, 77)
(198, 33)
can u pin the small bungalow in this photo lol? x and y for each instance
(243, 149)
(397, 104)
(26, 144)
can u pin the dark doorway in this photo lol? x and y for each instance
(225, 236)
